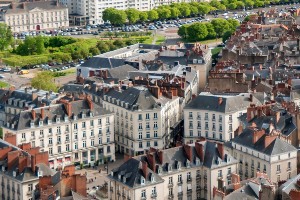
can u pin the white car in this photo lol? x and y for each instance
(7, 69)
(1, 76)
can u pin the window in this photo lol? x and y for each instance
(23, 136)
(190, 115)
(154, 190)
(155, 125)
(213, 117)
(50, 140)
(58, 130)
(199, 133)
(140, 135)
(148, 135)
(229, 171)
(140, 117)
(143, 194)
(58, 139)
(30, 187)
(220, 173)
(213, 126)
(278, 168)
(206, 134)
(289, 165)
(148, 143)
(188, 176)
(170, 191)
(42, 143)
(83, 134)
(75, 126)
(92, 142)
(99, 121)
(221, 136)
(155, 143)
(199, 125)
(108, 139)
(199, 115)
(220, 127)
(50, 151)
(140, 145)
(83, 125)
(170, 180)
(100, 140)
(67, 147)
(107, 120)
(220, 118)
(32, 133)
(92, 123)
(191, 133)
(206, 116)
(140, 126)
(206, 125)
(230, 127)
(50, 130)
(278, 178)
(92, 132)
(155, 115)
(147, 116)
(191, 124)
(84, 144)
(230, 118)
(147, 125)
(179, 178)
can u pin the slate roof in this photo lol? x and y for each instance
(44, 5)
(290, 184)
(23, 120)
(102, 63)
(121, 72)
(131, 169)
(277, 147)
(229, 104)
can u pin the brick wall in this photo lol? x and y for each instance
(10, 138)
(4, 151)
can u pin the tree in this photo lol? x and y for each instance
(197, 32)
(174, 12)
(133, 15)
(184, 10)
(118, 18)
(152, 15)
(203, 9)
(143, 16)
(220, 26)
(226, 35)
(94, 51)
(211, 31)
(194, 10)
(248, 3)
(232, 6)
(44, 81)
(164, 13)
(240, 4)
(107, 14)
(39, 44)
(182, 31)
(119, 43)
(6, 37)
(102, 46)
(233, 24)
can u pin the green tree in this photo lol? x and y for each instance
(174, 12)
(226, 35)
(133, 15)
(182, 31)
(248, 3)
(197, 32)
(108, 13)
(152, 15)
(119, 43)
(211, 31)
(118, 18)
(184, 10)
(39, 44)
(143, 16)
(240, 4)
(94, 51)
(233, 24)
(6, 37)
(220, 26)
(194, 10)
(164, 13)
(102, 46)
(44, 81)
(232, 6)
(204, 9)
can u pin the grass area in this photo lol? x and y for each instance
(210, 41)
(215, 51)
(160, 39)
(3, 84)
(64, 72)
(149, 40)
(70, 71)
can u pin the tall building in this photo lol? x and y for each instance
(142, 120)
(21, 168)
(186, 172)
(35, 16)
(214, 116)
(72, 131)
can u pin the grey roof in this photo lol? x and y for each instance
(290, 184)
(120, 72)
(229, 103)
(131, 169)
(45, 5)
(22, 121)
(277, 147)
(244, 192)
(101, 63)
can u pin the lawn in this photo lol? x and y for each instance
(148, 40)
(215, 51)
(160, 39)
(3, 84)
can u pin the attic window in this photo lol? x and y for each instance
(124, 179)
(40, 123)
(159, 170)
(188, 164)
(152, 178)
(119, 176)
(83, 115)
(178, 165)
(112, 173)
(31, 124)
(194, 61)
(142, 180)
(57, 119)
(197, 161)
(91, 114)
(75, 117)
(169, 168)
(49, 121)
(66, 118)
(199, 61)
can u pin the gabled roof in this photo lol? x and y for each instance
(101, 63)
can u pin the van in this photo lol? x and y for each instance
(24, 72)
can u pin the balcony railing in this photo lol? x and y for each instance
(180, 194)
(171, 196)
(154, 195)
(170, 185)
(198, 176)
(179, 182)
(189, 180)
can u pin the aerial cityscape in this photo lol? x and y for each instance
(149, 100)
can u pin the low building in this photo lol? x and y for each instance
(214, 116)
(21, 168)
(290, 190)
(260, 150)
(186, 172)
(142, 119)
(71, 131)
(35, 16)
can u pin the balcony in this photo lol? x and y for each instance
(179, 182)
(288, 169)
(189, 180)
(29, 193)
(153, 195)
(189, 191)
(198, 177)
(180, 194)
(171, 196)
(278, 171)
(170, 185)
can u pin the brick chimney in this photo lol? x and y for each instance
(145, 169)
(22, 163)
(42, 113)
(269, 139)
(251, 112)
(10, 138)
(161, 156)
(33, 114)
(4, 151)
(151, 160)
(68, 107)
(235, 178)
(11, 158)
(220, 147)
(189, 152)
(200, 150)
(257, 135)
(277, 116)
(220, 100)
(25, 146)
(90, 103)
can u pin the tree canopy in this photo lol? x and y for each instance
(6, 37)
(44, 81)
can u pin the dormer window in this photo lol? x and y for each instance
(83, 115)
(142, 180)
(49, 121)
(124, 179)
(169, 168)
(119, 176)
(178, 165)
(40, 123)
(91, 114)
(112, 173)
(66, 118)
(75, 117)
(152, 179)
(159, 170)
(31, 124)
(188, 164)
(197, 161)
(57, 119)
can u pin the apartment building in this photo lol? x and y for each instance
(262, 151)
(72, 131)
(21, 168)
(141, 119)
(214, 116)
(185, 172)
(35, 16)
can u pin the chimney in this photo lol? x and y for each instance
(68, 107)
(269, 139)
(151, 160)
(10, 138)
(239, 130)
(42, 113)
(257, 135)
(277, 117)
(33, 96)
(251, 98)
(200, 150)
(298, 44)
(91, 105)
(220, 100)
(251, 112)
(145, 169)
(33, 114)
(189, 152)
(220, 147)
(235, 178)
(161, 156)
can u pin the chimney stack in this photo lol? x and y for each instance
(220, 147)
(189, 152)
(220, 100)
(160, 156)
(33, 114)
(145, 169)
(68, 107)
(257, 135)
(269, 139)
(200, 150)
(42, 113)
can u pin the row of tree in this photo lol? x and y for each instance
(179, 10)
(209, 30)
